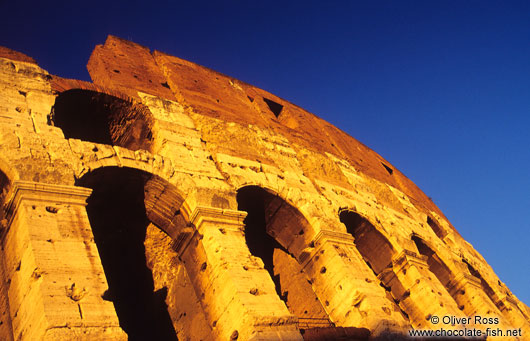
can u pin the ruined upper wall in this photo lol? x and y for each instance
(15, 55)
(126, 66)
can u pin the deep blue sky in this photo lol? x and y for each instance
(440, 89)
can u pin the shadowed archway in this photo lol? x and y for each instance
(276, 232)
(97, 117)
(373, 246)
(117, 214)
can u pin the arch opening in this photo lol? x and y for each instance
(4, 188)
(373, 246)
(485, 285)
(442, 272)
(97, 117)
(274, 232)
(376, 251)
(119, 221)
(436, 265)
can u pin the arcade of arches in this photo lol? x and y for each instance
(167, 201)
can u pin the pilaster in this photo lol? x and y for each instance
(418, 290)
(56, 278)
(237, 294)
(346, 287)
(513, 314)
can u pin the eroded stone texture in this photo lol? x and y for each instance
(237, 215)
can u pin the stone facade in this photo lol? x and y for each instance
(167, 200)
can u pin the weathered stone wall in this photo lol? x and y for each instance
(362, 242)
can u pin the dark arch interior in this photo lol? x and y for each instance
(4, 187)
(101, 118)
(373, 246)
(254, 200)
(117, 215)
(436, 265)
(267, 213)
(485, 286)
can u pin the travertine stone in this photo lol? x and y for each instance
(234, 298)
(350, 289)
(48, 251)
(348, 239)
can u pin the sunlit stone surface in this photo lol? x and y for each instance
(166, 200)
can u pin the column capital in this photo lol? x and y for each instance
(196, 219)
(323, 237)
(39, 191)
(407, 258)
(43, 192)
(461, 281)
(204, 214)
(506, 302)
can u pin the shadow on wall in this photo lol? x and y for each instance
(117, 215)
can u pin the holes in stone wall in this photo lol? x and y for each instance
(437, 229)
(388, 169)
(101, 118)
(268, 215)
(118, 218)
(276, 108)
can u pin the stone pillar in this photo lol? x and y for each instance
(470, 296)
(235, 291)
(418, 290)
(348, 290)
(514, 315)
(56, 280)
(473, 301)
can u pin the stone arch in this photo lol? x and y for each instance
(436, 265)
(464, 295)
(485, 285)
(91, 115)
(283, 229)
(375, 248)
(492, 294)
(404, 274)
(135, 217)
(291, 195)
(277, 232)
(95, 156)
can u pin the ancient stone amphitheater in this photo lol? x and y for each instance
(166, 200)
